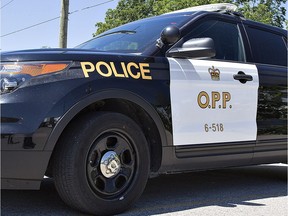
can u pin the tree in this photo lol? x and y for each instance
(271, 12)
(267, 11)
(126, 11)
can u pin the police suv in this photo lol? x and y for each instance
(200, 88)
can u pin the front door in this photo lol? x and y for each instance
(211, 103)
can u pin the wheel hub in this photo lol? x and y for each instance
(110, 164)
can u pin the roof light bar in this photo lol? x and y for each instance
(209, 7)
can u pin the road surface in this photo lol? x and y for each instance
(256, 190)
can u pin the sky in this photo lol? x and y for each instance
(19, 14)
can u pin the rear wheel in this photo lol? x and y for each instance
(101, 163)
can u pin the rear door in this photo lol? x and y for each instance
(269, 52)
(211, 104)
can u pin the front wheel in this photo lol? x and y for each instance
(101, 163)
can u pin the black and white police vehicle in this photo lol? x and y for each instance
(195, 89)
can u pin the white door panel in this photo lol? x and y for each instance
(212, 111)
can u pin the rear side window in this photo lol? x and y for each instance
(267, 47)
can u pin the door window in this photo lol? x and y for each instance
(226, 36)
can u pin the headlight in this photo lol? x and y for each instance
(34, 69)
(14, 74)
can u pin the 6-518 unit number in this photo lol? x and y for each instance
(214, 127)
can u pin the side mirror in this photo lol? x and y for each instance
(194, 48)
(169, 35)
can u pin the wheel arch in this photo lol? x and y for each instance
(144, 115)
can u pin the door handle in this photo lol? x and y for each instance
(242, 77)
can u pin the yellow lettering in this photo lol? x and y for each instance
(226, 98)
(130, 69)
(206, 97)
(124, 69)
(145, 71)
(98, 68)
(215, 98)
(116, 74)
(132, 64)
(86, 70)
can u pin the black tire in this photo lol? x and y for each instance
(112, 187)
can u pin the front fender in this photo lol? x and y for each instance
(107, 94)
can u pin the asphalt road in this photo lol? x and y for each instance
(257, 190)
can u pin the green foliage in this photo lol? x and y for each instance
(271, 12)
(267, 11)
(126, 11)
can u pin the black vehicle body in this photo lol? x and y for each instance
(34, 116)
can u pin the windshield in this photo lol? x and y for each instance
(134, 37)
